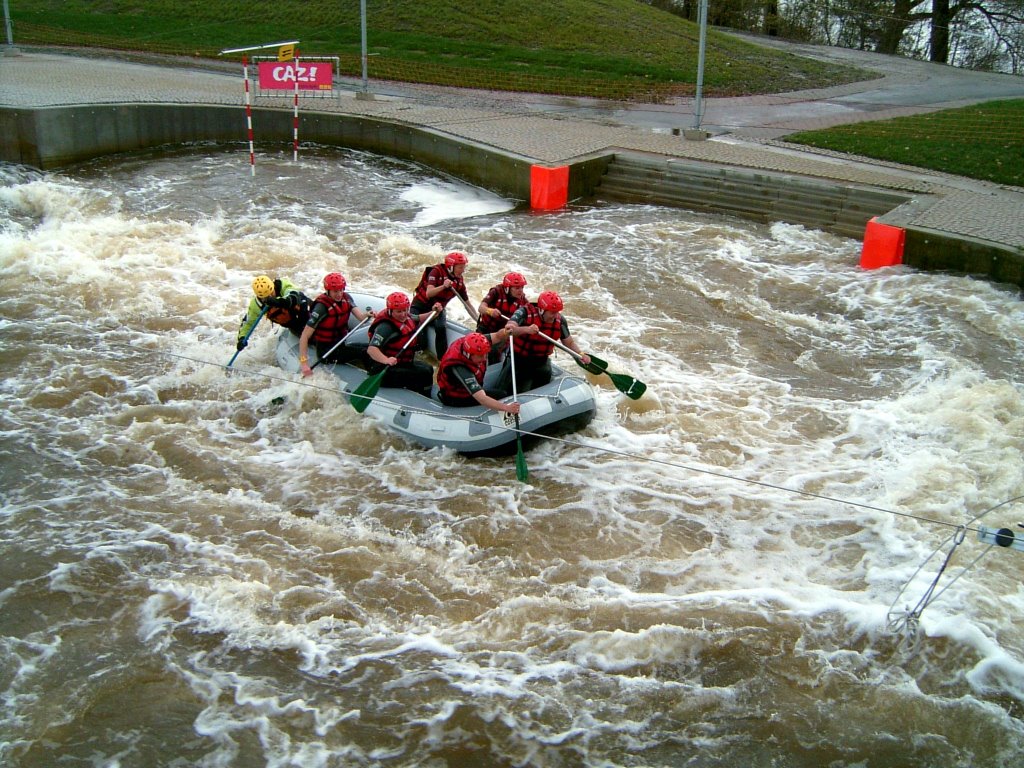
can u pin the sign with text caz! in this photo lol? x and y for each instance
(281, 75)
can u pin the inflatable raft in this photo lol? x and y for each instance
(566, 404)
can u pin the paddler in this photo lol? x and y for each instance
(533, 351)
(460, 374)
(286, 305)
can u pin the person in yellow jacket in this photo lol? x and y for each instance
(286, 305)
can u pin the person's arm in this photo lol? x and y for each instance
(485, 307)
(515, 324)
(315, 316)
(420, 319)
(489, 402)
(288, 301)
(434, 288)
(469, 381)
(497, 337)
(361, 314)
(307, 332)
(381, 336)
(252, 314)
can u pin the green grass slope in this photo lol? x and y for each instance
(602, 48)
(983, 141)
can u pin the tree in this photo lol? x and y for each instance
(981, 34)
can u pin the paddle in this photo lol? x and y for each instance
(522, 472)
(245, 339)
(343, 340)
(469, 308)
(365, 392)
(627, 385)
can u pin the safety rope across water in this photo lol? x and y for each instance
(613, 451)
(904, 622)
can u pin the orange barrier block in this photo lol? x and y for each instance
(883, 245)
(549, 187)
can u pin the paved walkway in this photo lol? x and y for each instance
(555, 130)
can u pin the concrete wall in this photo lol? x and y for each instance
(56, 137)
(762, 196)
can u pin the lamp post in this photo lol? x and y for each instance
(698, 100)
(362, 31)
(7, 24)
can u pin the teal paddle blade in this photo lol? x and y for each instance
(363, 394)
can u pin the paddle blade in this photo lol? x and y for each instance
(365, 392)
(596, 366)
(522, 471)
(628, 386)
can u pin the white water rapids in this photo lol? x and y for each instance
(213, 569)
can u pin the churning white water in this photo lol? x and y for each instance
(236, 569)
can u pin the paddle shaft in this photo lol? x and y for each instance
(365, 392)
(561, 346)
(629, 386)
(245, 339)
(522, 473)
(343, 340)
(469, 308)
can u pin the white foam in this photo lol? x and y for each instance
(444, 201)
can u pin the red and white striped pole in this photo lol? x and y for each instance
(295, 128)
(248, 115)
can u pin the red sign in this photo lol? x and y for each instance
(280, 75)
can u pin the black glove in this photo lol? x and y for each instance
(242, 344)
(276, 301)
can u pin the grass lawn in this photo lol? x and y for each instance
(619, 49)
(984, 141)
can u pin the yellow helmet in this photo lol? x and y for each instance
(263, 287)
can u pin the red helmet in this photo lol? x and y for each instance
(476, 344)
(335, 282)
(514, 280)
(398, 300)
(550, 301)
(455, 257)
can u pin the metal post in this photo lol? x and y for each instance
(698, 101)
(7, 24)
(362, 29)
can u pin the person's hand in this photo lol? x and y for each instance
(494, 312)
(242, 344)
(584, 358)
(306, 370)
(512, 408)
(438, 307)
(275, 301)
(532, 329)
(391, 361)
(447, 283)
